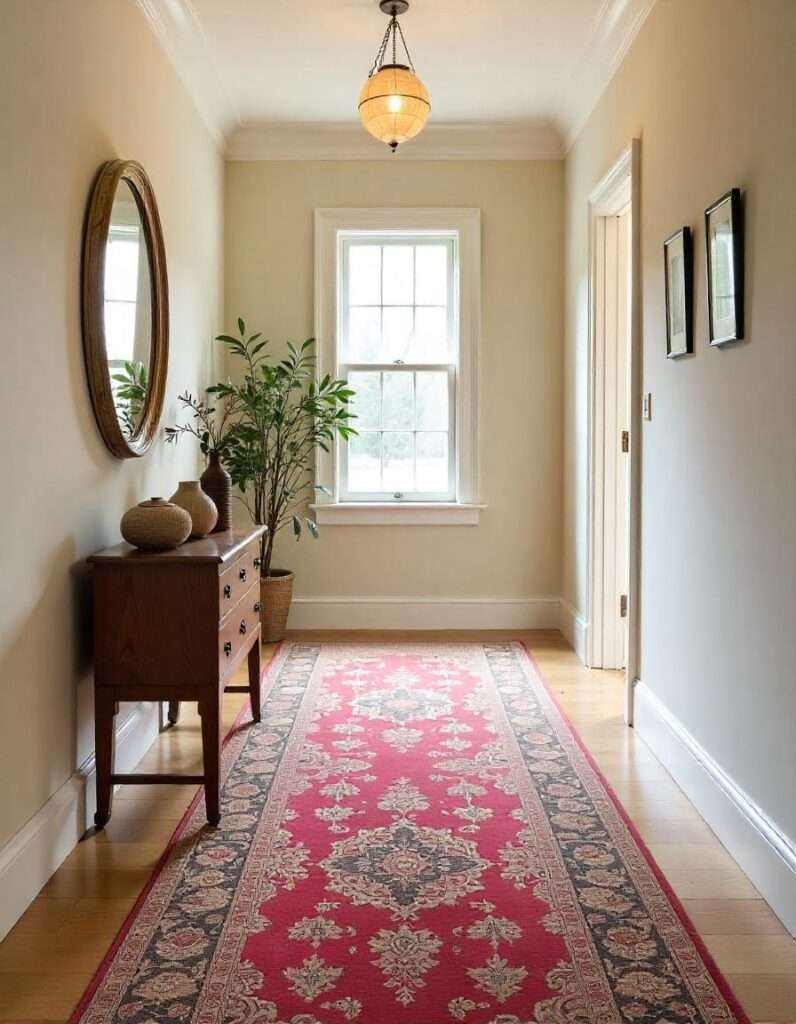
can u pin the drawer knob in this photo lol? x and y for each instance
(257, 563)
(228, 648)
(242, 574)
(242, 627)
(257, 606)
(227, 590)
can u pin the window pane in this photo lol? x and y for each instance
(364, 275)
(397, 333)
(432, 462)
(364, 463)
(366, 403)
(398, 462)
(120, 330)
(431, 401)
(398, 287)
(431, 335)
(121, 269)
(399, 401)
(364, 335)
(431, 275)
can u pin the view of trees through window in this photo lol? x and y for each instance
(398, 351)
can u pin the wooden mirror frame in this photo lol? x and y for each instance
(98, 220)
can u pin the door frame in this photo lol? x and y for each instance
(619, 188)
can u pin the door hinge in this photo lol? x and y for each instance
(625, 440)
(623, 606)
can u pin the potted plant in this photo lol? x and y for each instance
(212, 429)
(278, 415)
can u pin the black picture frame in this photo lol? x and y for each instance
(724, 223)
(679, 286)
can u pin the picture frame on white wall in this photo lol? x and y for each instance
(678, 253)
(725, 266)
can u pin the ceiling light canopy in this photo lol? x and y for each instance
(394, 104)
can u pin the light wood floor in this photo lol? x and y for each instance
(51, 954)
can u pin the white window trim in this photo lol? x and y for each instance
(466, 225)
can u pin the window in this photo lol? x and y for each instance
(398, 330)
(397, 301)
(121, 293)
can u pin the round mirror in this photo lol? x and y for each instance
(125, 308)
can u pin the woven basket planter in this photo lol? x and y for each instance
(276, 593)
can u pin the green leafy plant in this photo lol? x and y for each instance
(210, 426)
(269, 424)
(129, 395)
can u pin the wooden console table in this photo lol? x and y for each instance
(173, 626)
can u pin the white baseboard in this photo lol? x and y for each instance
(34, 853)
(575, 629)
(766, 855)
(424, 613)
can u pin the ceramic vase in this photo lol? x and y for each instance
(217, 485)
(156, 525)
(190, 496)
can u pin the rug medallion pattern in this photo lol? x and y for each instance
(411, 834)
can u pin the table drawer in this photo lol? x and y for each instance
(237, 628)
(235, 581)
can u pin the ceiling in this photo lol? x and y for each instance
(267, 73)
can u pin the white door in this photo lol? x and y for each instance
(611, 465)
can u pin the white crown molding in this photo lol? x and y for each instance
(617, 24)
(179, 31)
(350, 141)
(177, 28)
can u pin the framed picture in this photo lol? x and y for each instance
(678, 255)
(724, 240)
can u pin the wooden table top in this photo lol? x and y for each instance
(215, 548)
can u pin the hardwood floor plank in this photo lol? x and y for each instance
(769, 997)
(733, 917)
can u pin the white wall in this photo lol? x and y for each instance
(80, 83)
(514, 554)
(708, 86)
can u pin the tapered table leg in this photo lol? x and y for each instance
(210, 710)
(254, 678)
(173, 714)
(105, 708)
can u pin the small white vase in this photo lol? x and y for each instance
(190, 496)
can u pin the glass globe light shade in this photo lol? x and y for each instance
(394, 104)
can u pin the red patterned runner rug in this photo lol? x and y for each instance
(412, 834)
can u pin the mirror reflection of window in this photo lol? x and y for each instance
(121, 292)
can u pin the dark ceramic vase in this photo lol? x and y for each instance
(217, 485)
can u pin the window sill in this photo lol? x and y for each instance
(396, 513)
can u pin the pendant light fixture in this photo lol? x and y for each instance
(394, 103)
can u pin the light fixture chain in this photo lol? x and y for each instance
(381, 51)
(406, 48)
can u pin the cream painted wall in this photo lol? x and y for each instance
(515, 551)
(80, 83)
(708, 86)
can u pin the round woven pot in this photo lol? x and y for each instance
(276, 593)
(156, 525)
(190, 496)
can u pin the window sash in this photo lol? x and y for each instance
(450, 366)
(449, 494)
